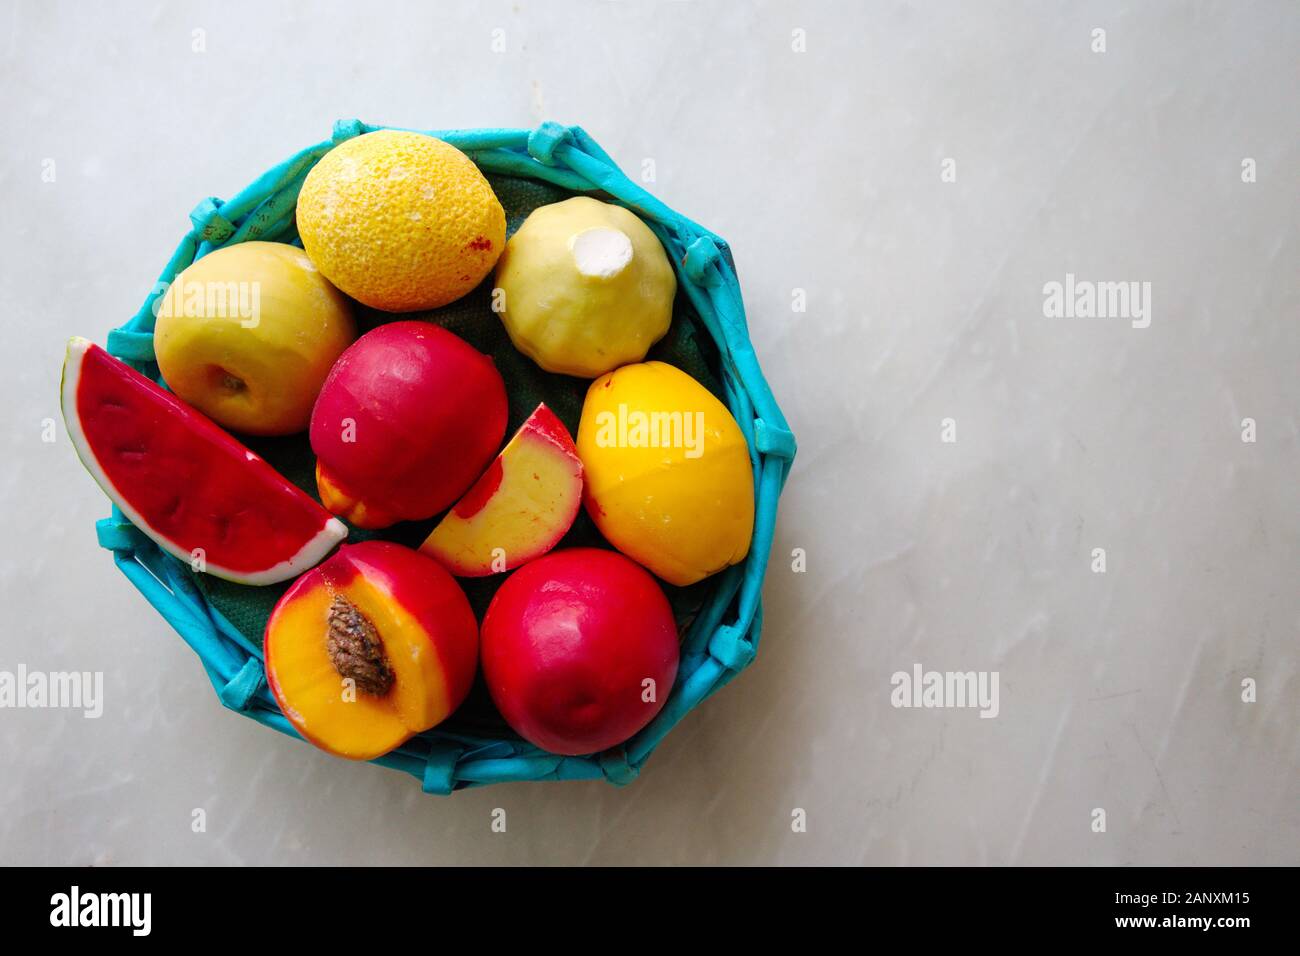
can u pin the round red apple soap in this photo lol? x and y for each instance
(408, 418)
(579, 650)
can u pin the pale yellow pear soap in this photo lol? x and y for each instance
(584, 287)
(247, 335)
(669, 481)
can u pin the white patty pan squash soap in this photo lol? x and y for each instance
(586, 287)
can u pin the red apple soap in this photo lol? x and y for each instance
(579, 650)
(408, 418)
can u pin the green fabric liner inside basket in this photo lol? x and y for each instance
(687, 346)
(721, 617)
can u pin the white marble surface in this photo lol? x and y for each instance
(1119, 691)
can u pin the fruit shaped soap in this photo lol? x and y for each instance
(248, 333)
(199, 494)
(375, 645)
(587, 287)
(579, 650)
(669, 480)
(519, 508)
(409, 416)
(400, 221)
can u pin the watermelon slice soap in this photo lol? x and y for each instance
(183, 481)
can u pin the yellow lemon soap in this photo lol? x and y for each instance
(400, 221)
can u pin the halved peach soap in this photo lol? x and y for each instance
(519, 508)
(371, 647)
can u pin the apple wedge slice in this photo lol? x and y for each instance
(519, 508)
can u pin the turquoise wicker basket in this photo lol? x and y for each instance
(722, 636)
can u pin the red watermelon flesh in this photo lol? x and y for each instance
(185, 482)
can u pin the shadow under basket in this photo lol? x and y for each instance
(719, 618)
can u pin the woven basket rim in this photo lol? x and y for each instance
(723, 638)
